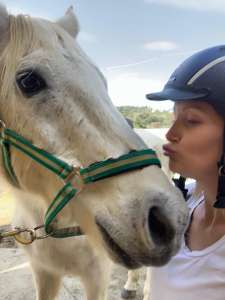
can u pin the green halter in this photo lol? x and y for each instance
(74, 178)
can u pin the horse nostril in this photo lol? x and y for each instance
(161, 230)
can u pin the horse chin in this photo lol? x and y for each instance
(159, 257)
(116, 253)
(124, 260)
(159, 261)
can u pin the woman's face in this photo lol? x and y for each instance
(195, 140)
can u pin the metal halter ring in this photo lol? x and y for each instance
(25, 240)
(75, 179)
(32, 235)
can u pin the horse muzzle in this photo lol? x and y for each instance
(152, 238)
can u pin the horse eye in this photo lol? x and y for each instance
(30, 82)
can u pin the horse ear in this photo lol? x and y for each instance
(69, 22)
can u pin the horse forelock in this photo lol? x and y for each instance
(21, 40)
(25, 36)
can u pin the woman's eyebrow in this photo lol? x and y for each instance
(197, 109)
(185, 110)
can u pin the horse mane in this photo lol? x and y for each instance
(21, 39)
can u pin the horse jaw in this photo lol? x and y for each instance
(69, 22)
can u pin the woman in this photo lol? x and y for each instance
(196, 150)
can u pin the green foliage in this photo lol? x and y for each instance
(146, 117)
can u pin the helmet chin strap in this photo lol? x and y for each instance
(220, 198)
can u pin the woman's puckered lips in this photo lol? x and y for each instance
(168, 149)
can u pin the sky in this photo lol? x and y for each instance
(137, 43)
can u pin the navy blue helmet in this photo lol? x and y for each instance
(201, 76)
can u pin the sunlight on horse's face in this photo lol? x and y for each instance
(58, 99)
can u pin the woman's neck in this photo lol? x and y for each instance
(207, 223)
(208, 185)
(209, 215)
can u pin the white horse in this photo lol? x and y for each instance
(55, 97)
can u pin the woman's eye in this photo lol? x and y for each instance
(192, 121)
(30, 82)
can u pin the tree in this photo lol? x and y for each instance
(145, 117)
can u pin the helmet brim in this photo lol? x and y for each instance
(175, 94)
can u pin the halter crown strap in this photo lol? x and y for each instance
(74, 178)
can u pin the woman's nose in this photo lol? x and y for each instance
(172, 134)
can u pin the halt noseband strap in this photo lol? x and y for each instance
(74, 178)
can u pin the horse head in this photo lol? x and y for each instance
(53, 95)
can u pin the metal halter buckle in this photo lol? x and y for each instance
(75, 179)
(30, 235)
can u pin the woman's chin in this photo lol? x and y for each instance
(173, 166)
